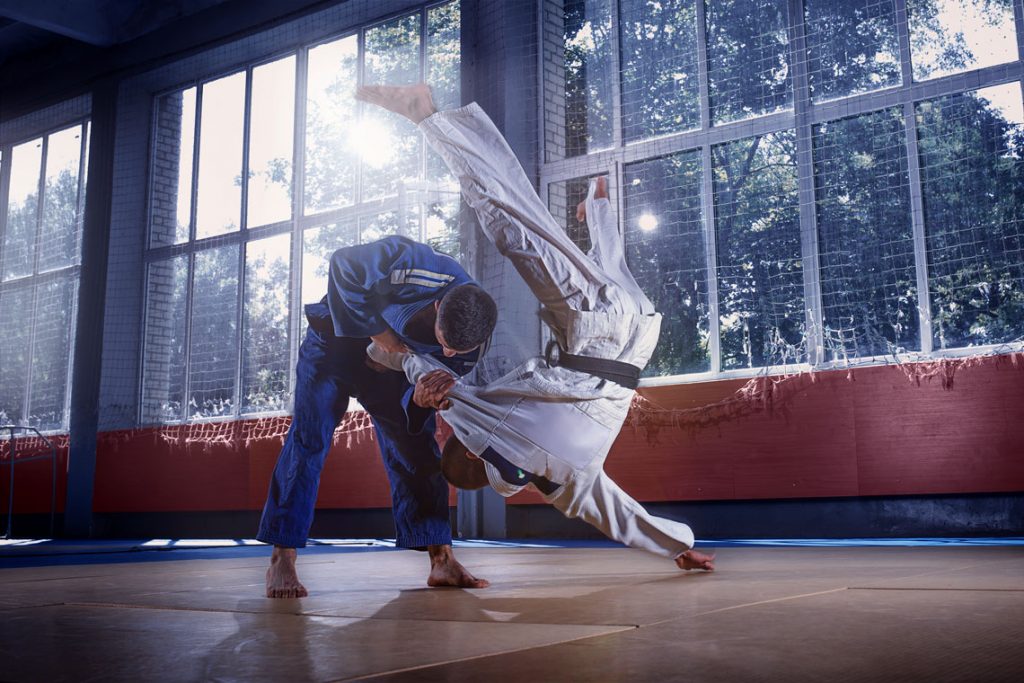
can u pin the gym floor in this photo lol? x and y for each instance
(790, 611)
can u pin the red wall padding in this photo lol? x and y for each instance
(870, 431)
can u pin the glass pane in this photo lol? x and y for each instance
(271, 137)
(748, 62)
(402, 222)
(60, 239)
(563, 198)
(865, 237)
(219, 192)
(972, 168)
(163, 368)
(317, 246)
(444, 51)
(16, 323)
(441, 225)
(578, 43)
(390, 145)
(950, 36)
(22, 210)
(214, 342)
(665, 252)
(852, 46)
(173, 150)
(660, 92)
(265, 359)
(444, 59)
(760, 273)
(51, 353)
(331, 160)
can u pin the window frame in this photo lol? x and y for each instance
(32, 281)
(802, 118)
(297, 225)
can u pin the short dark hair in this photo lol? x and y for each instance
(461, 471)
(467, 316)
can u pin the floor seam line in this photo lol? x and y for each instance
(748, 604)
(965, 590)
(392, 672)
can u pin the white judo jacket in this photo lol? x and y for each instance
(552, 421)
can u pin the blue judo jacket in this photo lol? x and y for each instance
(384, 284)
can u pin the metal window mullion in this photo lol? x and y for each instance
(617, 108)
(239, 331)
(5, 186)
(924, 306)
(36, 244)
(187, 384)
(711, 258)
(423, 79)
(298, 198)
(243, 231)
(805, 173)
(703, 77)
(193, 208)
(903, 38)
(40, 204)
(360, 107)
(27, 401)
(1018, 18)
(68, 367)
(243, 216)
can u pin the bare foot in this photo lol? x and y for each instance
(445, 570)
(600, 192)
(414, 102)
(282, 581)
(693, 559)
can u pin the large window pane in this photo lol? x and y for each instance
(760, 276)
(563, 198)
(221, 126)
(317, 246)
(950, 36)
(213, 360)
(271, 136)
(972, 166)
(852, 46)
(163, 374)
(868, 281)
(441, 224)
(16, 323)
(60, 235)
(331, 161)
(19, 247)
(748, 62)
(444, 50)
(390, 145)
(386, 223)
(660, 92)
(265, 359)
(578, 43)
(665, 252)
(170, 203)
(443, 73)
(51, 352)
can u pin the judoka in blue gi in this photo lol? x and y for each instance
(401, 295)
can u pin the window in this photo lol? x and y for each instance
(813, 183)
(40, 256)
(257, 177)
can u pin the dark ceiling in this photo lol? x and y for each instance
(57, 48)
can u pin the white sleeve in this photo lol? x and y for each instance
(601, 503)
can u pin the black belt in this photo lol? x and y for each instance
(621, 373)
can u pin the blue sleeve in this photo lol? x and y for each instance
(359, 281)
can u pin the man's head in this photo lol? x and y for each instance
(462, 469)
(466, 316)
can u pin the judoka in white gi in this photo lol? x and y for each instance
(545, 424)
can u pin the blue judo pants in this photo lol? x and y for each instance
(330, 370)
